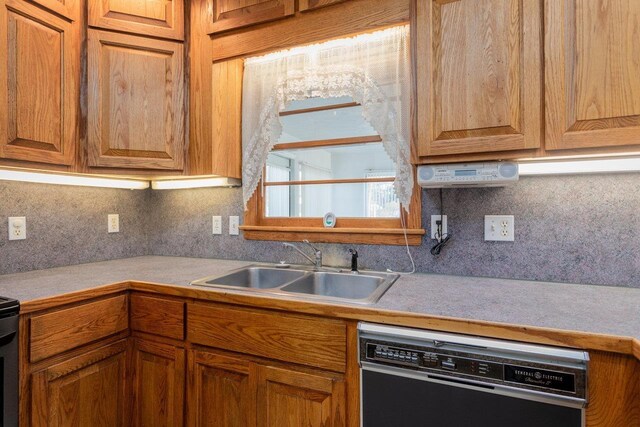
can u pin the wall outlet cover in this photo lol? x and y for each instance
(216, 224)
(434, 227)
(234, 225)
(113, 223)
(17, 228)
(499, 228)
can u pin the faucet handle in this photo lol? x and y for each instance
(354, 260)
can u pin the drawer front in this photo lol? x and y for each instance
(56, 332)
(157, 316)
(298, 339)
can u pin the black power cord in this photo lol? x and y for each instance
(442, 240)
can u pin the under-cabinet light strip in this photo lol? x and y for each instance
(177, 184)
(564, 167)
(69, 179)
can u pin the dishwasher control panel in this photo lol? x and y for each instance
(444, 359)
(402, 356)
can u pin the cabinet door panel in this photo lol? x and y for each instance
(160, 18)
(136, 106)
(592, 73)
(479, 76)
(39, 85)
(88, 390)
(291, 398)
(158, 384)
(232, 14)
(70, 9)
(221, 390)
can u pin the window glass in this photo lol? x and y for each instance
(354, 153)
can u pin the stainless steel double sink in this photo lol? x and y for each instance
(343, 286)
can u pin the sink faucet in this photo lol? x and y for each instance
(317, 262)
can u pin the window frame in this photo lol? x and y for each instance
(362, 230)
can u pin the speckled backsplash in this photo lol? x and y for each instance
(581, 229)
(68, 225)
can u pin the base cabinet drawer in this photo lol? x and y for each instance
(305, 340)
(158, 316)
(61, 330)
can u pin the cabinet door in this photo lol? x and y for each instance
(592, 73)
(39, 84)
(160, 18)
(221, 391)
(291, 398)
(158, 384)
(136, 104)
(88, 390)
(232, 14)
(479, 76)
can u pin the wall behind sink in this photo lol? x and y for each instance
(68, 225)
(582, 229)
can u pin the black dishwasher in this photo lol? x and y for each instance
(413, 377)
(9, 309)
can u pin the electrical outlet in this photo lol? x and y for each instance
(234, 224)
(217, 224)
(17, 228)
(434, 227)
(113, 221)
(499, 228)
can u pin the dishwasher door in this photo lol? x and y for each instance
(409, 400)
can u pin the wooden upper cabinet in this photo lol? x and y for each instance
(316, 4)
(39, 84)
(232, 14)
(479, 76)
(159, 18)
(88, 390)
(592, 73)
(136, 102)
(215, 143)
(291, 398)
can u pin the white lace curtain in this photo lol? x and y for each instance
(373, 69)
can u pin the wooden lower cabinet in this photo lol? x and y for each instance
(290, 398)
(87, 390)
(158, 383)
(221, 390)
(228, 390)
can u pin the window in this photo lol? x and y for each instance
(326, 129)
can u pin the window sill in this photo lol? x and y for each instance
(368, 236)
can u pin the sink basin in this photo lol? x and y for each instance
(336, 285)
(253, 277)
(303, 282)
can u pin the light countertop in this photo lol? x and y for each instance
(572, 307)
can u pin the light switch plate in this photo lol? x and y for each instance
(17, 228)
(216, 224)
(499, 228)
(234, 225)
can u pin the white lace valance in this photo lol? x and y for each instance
(373, 69)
